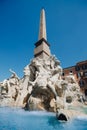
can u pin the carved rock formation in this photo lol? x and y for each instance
(41, 88)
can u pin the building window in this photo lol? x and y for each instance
(77, 68)
(70, 71)
(85, 73)
(81, 83)
(86, 92)
(78, 75)
(84, 67)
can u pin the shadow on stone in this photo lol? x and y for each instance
(62, 117)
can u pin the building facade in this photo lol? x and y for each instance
(80, 73)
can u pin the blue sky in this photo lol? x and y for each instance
(19, 25)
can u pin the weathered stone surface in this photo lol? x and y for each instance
(65, 115)
(41, 88)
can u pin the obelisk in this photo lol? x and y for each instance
(42, 49)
